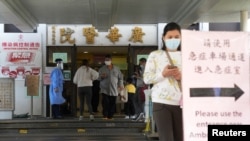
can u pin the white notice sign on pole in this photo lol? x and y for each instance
(215, 81)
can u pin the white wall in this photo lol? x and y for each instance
(23, 102)
(160, 31)
(1, 28)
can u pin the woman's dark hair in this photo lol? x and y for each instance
(108, 56)
(85, 62)
(170, 26)
(143, 60)
(129, 80)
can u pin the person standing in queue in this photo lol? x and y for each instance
(166, 91)
(83, 78)
(111, 81)
(56, 89)
(130, 104)
(140, 86)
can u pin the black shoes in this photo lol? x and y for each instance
(58, 117)
(140, 117)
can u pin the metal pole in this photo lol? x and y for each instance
(31, 107)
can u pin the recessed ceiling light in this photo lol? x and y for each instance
(85, 52)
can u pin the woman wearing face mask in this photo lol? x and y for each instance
(166, 93)
(111, 79)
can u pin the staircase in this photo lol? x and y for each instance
(69, 128)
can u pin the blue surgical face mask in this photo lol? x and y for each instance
(172, 44)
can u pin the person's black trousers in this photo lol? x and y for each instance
(130, 105)
(56, 111)
(109, 105)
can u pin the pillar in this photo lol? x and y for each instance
(243, 20)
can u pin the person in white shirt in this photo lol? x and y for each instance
(83, 78)
(166, 91)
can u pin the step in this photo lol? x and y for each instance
(78, 138)
(69, 126)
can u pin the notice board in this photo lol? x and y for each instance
(32, 83)
(215, 80)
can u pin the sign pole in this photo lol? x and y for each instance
(32, 83)
(31, 108)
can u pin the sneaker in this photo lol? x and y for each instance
(132, 117)
(91, 117)
(58, 117)
(126, 117)
(81, 118)
(141, 116)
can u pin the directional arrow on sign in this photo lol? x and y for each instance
(235, 92)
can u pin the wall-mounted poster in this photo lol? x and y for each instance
(7, 90)
(46, 78)
(20, 55)
(66, 74)
(63, 56)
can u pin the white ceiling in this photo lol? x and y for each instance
(27, 14)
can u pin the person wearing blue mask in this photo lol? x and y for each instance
(56, 89)
(163, 70)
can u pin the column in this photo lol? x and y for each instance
(243, 20)
(204, 26)
(1, 28)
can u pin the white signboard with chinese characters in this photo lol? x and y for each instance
(20, 55)
(215, 79)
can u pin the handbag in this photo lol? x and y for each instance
(123, 97)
